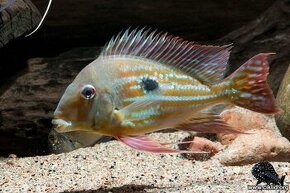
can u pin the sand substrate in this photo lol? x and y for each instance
(114, 167)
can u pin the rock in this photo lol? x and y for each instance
(264, 141)
(260, 146)
(283, 100)
(203, 144)
(270, 32)
(19, 18)
(244, 120)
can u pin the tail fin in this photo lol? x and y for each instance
(249, 88)
(282, 180)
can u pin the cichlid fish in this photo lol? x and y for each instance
(265, 172)
(146, 81)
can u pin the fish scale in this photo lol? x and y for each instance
(181, 98)
(177, 80)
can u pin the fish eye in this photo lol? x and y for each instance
(88, 92)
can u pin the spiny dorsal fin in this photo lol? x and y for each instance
(205, 63)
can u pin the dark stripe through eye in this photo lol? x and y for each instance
(149, 84)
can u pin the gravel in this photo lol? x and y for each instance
(114, 167)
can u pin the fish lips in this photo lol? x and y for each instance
(63, 126)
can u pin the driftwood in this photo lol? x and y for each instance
(268, 33)
(18, 18)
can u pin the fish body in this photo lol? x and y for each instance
(265, 172)
(174, 94)
(146, 81)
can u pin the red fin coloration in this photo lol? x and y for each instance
(144, 143)
(249, 88)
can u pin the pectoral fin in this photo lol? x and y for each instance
(128, 111)
(144, 143)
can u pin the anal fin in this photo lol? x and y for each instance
(208, 123)
(144, 143)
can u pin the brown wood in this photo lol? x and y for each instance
(17, 19)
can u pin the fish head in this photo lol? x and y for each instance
(83, 104)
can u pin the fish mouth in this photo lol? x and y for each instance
(61, 125)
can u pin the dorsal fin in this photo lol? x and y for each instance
(205, 63)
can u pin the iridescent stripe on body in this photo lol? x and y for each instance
(176, 91)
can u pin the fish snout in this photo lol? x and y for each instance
(61, 125)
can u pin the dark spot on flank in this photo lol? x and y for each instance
(149, 84)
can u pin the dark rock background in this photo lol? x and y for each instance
(31, 90)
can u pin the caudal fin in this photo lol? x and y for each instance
(249, 88)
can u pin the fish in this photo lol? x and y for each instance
(66, 142)
(145, 81)
(265, 172)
